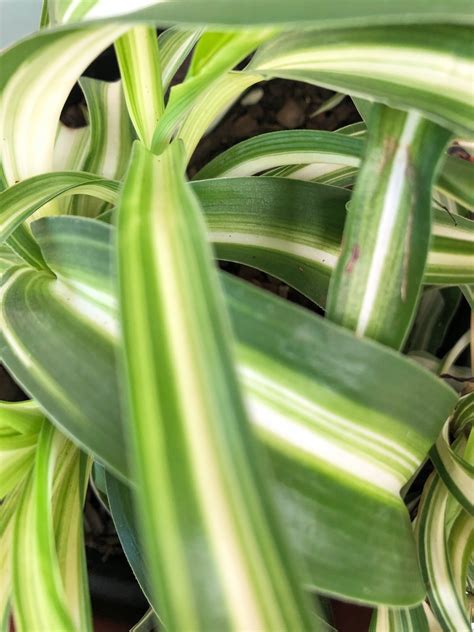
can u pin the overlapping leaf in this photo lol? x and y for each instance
(314, 154)
(291, 230)
(299, 372)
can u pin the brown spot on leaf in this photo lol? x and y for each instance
(353, 260)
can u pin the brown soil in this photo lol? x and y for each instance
(281, 105)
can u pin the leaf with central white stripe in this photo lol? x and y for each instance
(464, 414)
(110, 141)
(70, 148)
(289, 147)
(211, 105)
(289, 229)
(455, 181)
(375, 287)
(69, 490)
(76, 317)
(111, 136)
(401, 620)
(174, 44)
(184, 96)
(452, 248)
(187, 423)
(139, 62)
(21, 200)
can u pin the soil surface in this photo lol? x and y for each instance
(271, 106)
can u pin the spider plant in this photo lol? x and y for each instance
(255, 457)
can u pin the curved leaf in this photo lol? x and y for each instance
(70, 148)
(400, 620)
(36, 366)
(174, 45)
(122, 510)
(111, 133)
(287, 147)
(139, 62)
(455, 180)
(291, 230)
(210, 105)
(37, 75)
(21, 200)
(184, 96)
(315, 153)
(448, 605)
(456, 473)
(296, 387)
(402, 67)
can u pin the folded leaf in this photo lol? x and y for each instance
(111, 132)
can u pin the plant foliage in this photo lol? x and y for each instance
(255, 456)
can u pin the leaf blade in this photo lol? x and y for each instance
(149, 297)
